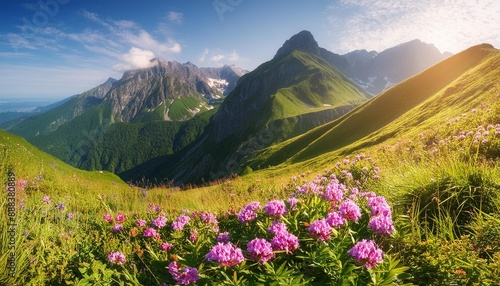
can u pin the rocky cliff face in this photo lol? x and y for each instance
(295, 91)
(145, 90)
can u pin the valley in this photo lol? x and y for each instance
(291, 169)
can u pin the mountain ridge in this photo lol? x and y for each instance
(371, 118)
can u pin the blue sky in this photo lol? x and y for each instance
(58, 48)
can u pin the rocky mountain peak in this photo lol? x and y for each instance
(303, 41)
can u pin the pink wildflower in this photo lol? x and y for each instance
(225, 254)
(159, 222)
(320, 230)
(275, 208)
(277, 227)
(335, 219)
(116, 257)
(184, 276)
(260, 249)
(285, 241)
(120, 218)
(107, 217)
(366, 253)
(165, 246)
(350, 210)
(223, 237)
(140, 223)
(151, 232)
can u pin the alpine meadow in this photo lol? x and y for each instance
(314, 168)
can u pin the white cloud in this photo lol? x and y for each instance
(128, 33)
(135, 59)
(452, 25)
(218, 57)
(203, 56)
(175, 17)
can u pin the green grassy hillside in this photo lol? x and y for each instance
(436, 177)
(318, 87)
(282, 98)
(418, 101)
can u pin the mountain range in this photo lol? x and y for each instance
(179, 122)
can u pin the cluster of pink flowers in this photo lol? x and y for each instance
(140, 223)
(116, 257)
(285, 241)
(183, 276)
(181, 221)
(151, 232)
(159, 222)
(381, 215)
(248, 212)
(225, 254)
(366, 253)
(292, 202)
(350, 210)
(275, 208)
(223, 237)
(165, 246)
(277, 227)
(120, 218)
(320, 229)
(211, 220)
(335, 219)
(108, 218)
(334, 192)
(260, 249)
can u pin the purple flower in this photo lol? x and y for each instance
(292, 202)
(223, 237)
(184, 219)
(46, 199)
(116, 257)
(120, 218)
(21, 184)
(320, 230)
(335, 219)
(246, 215)
(277, 227)
(334, 192)
(381, 224)
(181, 221)
(253, 206)
(107, 217)
(275, 208)
(165, 246)
(209, 218)
(350, 210)
(140, 223)
(117, 228)
(159, 222)
(225, 254)
(184, 276)
(285, 241)
(60, 206)
(193, 236)
(260, 249)
(379, 206)
(70, 215)
(151, 232)
(366, 253)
